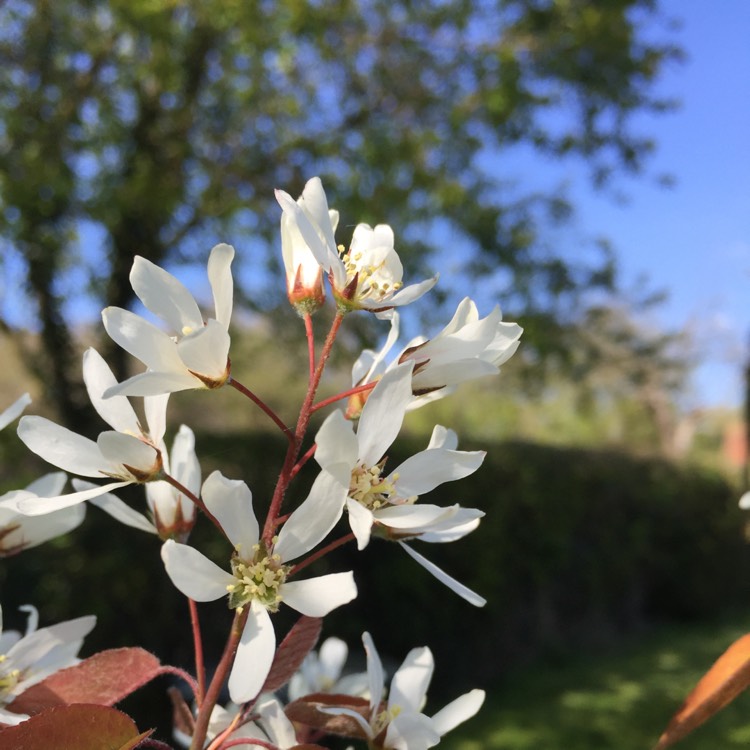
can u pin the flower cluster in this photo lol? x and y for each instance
(270, 541)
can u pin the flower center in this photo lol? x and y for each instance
(258, 579)
(368, 488)
(372, 280)
(384, 718)
(8, 680)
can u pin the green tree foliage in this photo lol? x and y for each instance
(159, 122)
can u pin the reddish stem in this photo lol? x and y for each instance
(344, 394)
(310, 344)
(200, 670)
(321, 553)
(185, 491)
(217, 683)
(305, 458)
(299, 433)
(263, 406)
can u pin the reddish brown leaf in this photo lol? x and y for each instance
(104, 678)
(299, 641)
(79, 727)
(306, 711)
(724, 681)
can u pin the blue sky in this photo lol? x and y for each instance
(694, 239)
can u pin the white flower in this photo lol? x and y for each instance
(387, 503)
(369, 275)
(304, 275)
(468, 347)
(128, 454)
(172, 514)
(405, 726)
(14, 410)
(258, 577)
(19, 532)
(197, 354)
(320, 672)
(745, 501)
(26, 660)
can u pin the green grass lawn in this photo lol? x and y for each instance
(619, 699)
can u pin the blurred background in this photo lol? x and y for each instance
(584, 165)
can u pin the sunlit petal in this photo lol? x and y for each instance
(193, 573)
(316, 597)
(254, 657)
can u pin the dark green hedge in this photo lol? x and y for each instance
(577, 546)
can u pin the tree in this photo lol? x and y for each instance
(159, 122)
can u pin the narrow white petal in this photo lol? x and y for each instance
(142, 339)
(165, 296)
(116, 412)
(254, 657)
(38, 506)
(451, 373)
(458, 711)
(156, 383)
(231, 503)
(14, 410)
(387, 346)
(184, 462)
(409, 684)
(453, 528)
(424, 471)
(193, 573)
(119, 510)
(314, 518)
(374, 671)
(61, 447)
(360, 520)
(332, 657)
(463, 591)
(316, 597)
(206, 351)
(383, 414)
(220, 278)
(155, 409)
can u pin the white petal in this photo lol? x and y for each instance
(413, 516)
(442, 437)
(424, 471)
(409, 684)
(116, 412)
(184, 462)
(165, 296)
(156, 383)
(220, 278)
(411, 731)
(315, 203)
(193, 573)
(463, 591)
(745, 501)
(374, 672)
(38, 506)
(14, 410)
(205, 352)
(458, 711)
(314, 518)
(413, 292)
(231, 503)
(383, 414)
(128, 451)
(32, 531)
(62, 447)
(336, 443)
(360, 520)
(316, 597)
(452, 528)
(451, 373)
(341, 711)
(391, 339)
(273, 719)
(332, 657)
(142, 339)
(254, 657)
